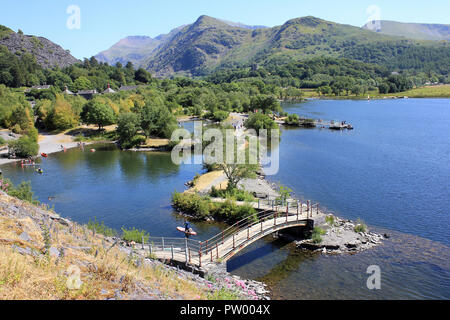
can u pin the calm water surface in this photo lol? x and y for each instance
(392, 171)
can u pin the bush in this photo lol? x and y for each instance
(2, 141)
(134, 235)
(23, 191)
(192, 204)
(360, 226)
(317, 234)
(329, 219)
(233, 194)
(25, 147)
(292, 119)
(101, 228)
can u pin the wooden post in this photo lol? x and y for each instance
(287, 207)
(248, 233)
(200, 258)
(307, 209)
(142, 243)
(258, 204)
(217, 250)
(186, 249)
(171, 249)
(211, 256)
(301, 208)
(317, 208)
(189, 252)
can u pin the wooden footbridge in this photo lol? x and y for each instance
(271, 217)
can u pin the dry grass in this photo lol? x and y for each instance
(155, 143)
(104, 270)
(205, 181)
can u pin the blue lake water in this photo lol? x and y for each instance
(392, 171)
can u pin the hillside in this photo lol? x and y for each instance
(46, 53)
(47, 257)
(210, 44)
(419, 31)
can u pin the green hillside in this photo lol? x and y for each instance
(210, 44)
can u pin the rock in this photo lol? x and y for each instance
(54, 252)
(24, 236)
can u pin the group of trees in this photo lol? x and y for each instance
(337, 76)
(23, 70)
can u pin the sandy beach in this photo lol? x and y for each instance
(48, 143)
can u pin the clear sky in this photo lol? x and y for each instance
(103, 23)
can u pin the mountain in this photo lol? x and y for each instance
(46, 53)
(419, 31)
(134, 48)
(211, 44)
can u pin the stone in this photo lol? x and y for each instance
(24, 236)
(54, 252)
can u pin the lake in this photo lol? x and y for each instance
(392, 171)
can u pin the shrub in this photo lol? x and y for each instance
(233, 194)
(329, 219)
(360, 226)
(134, 235)
(24, 147)
(317, 234)
(23, 191)
(101, 228)
(192, 204)
(292, 119)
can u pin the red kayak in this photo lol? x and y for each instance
(189, 232)
(44, 155)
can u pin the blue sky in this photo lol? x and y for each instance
(103, 23)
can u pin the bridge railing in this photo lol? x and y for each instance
(208, 246)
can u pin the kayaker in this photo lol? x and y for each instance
(187, 227)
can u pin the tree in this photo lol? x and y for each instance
(265, 103)
(157, 120)
(24, 147)
(128, 127)
(142, 75)
(95, 112)
(82, 83)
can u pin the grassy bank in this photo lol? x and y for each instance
(42, 255)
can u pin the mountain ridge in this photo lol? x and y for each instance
(47, 53)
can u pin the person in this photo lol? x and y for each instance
(187, 227)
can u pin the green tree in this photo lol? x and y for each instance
(127, 128)
(95, 112)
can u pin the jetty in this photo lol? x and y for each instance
(272, 216)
